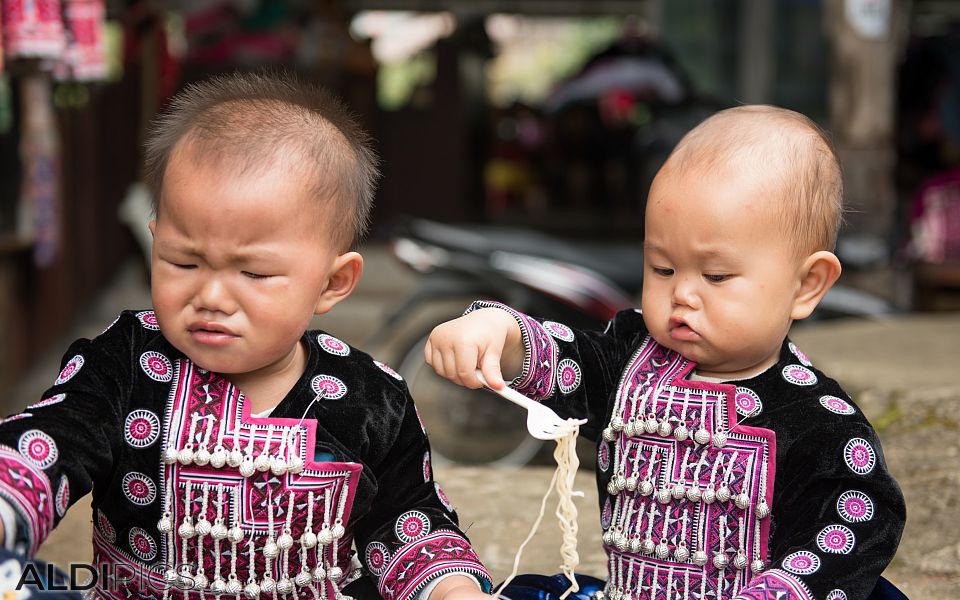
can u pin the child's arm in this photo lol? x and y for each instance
(457, 587)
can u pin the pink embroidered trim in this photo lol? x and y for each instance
(29, 492)
(416, 563)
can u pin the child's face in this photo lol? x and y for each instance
(720, 278)
(240, 264)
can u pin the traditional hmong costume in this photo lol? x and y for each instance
(769, 487)
(193, 496)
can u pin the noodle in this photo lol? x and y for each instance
(563, 479)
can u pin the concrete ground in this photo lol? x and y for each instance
(901, 371)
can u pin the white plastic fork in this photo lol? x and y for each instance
(542, 423)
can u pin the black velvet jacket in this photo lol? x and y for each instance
(192, 493)
(768, 487)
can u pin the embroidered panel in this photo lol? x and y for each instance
(416, 563)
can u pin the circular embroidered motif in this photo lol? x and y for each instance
(148, 319)
(837, 594)
(139, 488)
(568, 375)
(860, 456)
(333, 345)
(799, 354)
(443, 497)
(798, 375)
(748, 402)
(63, 496)
(142, 428)
(70, 369)
(426, 467)
(38, 447)
(606, 515)
(329, 387)
(412, 525)
(156, 366)
(802, 563)
(855, 507)
(377, 558)
(837, 405)
(389, 371)
(835, 539)
(559, 331)
(603, 456)
(109, 533)
(56, 398)
(142, 544)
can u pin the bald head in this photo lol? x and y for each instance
(791, 158)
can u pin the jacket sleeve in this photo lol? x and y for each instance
(574, 371)
(58, 449)
(411, 536)
(839, 520)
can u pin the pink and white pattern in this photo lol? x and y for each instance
(568, 376)
(859, 456)
(799, 354)
(836, 594)
(559, 331)
(426, 467)
(39, 448)
(139, 488)
(837, 405)
(388, 370)
(603, 456)
(802, 562)
(855, 507)
(798, 375)
(156, 366)
(106, 529)
(606, 515)
(836, 539)
(70, 369)
(54, 399)
(377, 556)
(411, 526)
(329, 387)
(62, 501)
(142, 544)
(148, 319)
(142, 428)
(333, 345)
(748, 403)
(443, 497)
(16, 417)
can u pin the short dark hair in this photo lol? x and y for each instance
(244, 117)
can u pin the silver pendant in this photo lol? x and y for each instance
(702, 436)
(720, 560)
(681, 433)
(762, 510)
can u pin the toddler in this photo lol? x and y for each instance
(231, 452)
(728, 466)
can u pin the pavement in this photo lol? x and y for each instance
(901, 371)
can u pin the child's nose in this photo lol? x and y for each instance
(685, 292)
(214, 296)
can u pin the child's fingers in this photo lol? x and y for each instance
(467, 358)
(428, 353)
(490, 367)
(450, 366)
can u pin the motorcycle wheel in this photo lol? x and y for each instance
(464, 425)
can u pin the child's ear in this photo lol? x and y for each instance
(152, 226)
(344, 276)
(817, 275)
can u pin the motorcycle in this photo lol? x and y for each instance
(580, 283)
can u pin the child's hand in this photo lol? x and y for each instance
(458, 587)
(488, 339)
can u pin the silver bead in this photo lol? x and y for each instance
(635, 545)
(608, 434)
(234, 586)
(621, 482)
(679, 491)
(202, 457)
(694, 494)
(271, 550)
(616, 423)
(709, 495)
(296, 465)
(664, 495)
(186, 530)
(662, 550)
(681, 553)
(303, 579)
(262, 463)
(285, 585)
(632, 482)
(203, 526)
(757, 565)
(700, 558)
(651, 425)
(681, 433)
(723, 493)
(246, 467)
(235, 535)
(742, 500)
(308, 539)
(170, 576)
(318, 573)
(612, 487)
(268, 584)
(720, 560)
(218, 586)
(719, 439)
(702, 436)
(740, 561)
(339, 531)
(607, 537)
(335, 573)
(665, 428)
(630, 429)
(646, 487)
(620, 541)
(285, 541)
(325, 536)
(235, 458)
(165, 524)
(170, 455)
(218, 458)
(185, 456)
(647, 546)
(200, 581)
(252, 590)
(218, 531)
(279, 466)
(762, 510)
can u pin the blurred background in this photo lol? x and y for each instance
(514, 134)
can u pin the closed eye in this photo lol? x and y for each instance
(254, 275)
(183, 265)
(718, 278)
(663, 272)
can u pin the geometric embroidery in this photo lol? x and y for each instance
(156, 366)
(388, 370)
(47, 401)
(775, 585)
(333, 345)
(835, 539)
(139, 488)
(802, 563)
(799, 354)
(798, 375)
(837, 594)
(748, 402)
(443, 497)
(568, 376)
(142, 428)
(559, 331)
(413, 564)
(837, 405)
(855, 507)
(426, 467)
(69, 370)
(63, 496)
(328, 386)
(859, 456)
(38, 447)
(109, 533)
(142, 544)
(148, 319)
(377, 557)
(412, 525)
